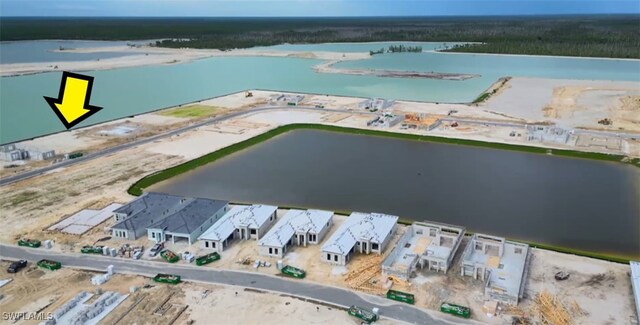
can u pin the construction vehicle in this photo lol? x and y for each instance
(248, 94)
(206, 259)
(167, 278)
(16, 266)
(367, 316)
(456, 310)
(49, 264)
(169, 256)
(401, 296)
(29, 243)
(293, 272)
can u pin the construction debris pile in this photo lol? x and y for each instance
(550, 309)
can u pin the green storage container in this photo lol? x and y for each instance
(169, 256)
(49, 265)
(365, 315)
(91, 249)
(75, 155)
(456, 310)
(167, 278)
(293, 272)
(401, 296)
(206, 259)
(29, 243)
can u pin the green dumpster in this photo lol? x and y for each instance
(169, 256)
(91, 249)
(29, 243)
(456, 310)
(365, 315)
(206, 259)
(49, 264)
(401, 296)
(167, 278)
(293, 272)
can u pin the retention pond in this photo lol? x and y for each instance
(573, 203)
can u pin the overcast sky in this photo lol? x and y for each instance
(234, 8)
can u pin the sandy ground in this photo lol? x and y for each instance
(571, 103)
(28, 207)
(145, 55)
(159, 303)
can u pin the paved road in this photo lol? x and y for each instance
(64, 163)
(300, 288)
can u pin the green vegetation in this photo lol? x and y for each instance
(401, 49)
(586, 35)
(566, 250)
(22, 197)
(189, 111)
(481, 98)
(397, 49)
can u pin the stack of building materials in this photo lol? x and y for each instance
(102, 278)
(105, 300)
(69, 305)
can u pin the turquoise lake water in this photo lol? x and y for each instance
(123, 92)
(43, 51)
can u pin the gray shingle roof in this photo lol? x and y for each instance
(159, 210)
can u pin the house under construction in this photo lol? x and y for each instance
(241, 222)
(362, 232)
(430, 245)
(296, 227)
(501, 264)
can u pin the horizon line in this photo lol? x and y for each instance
(346, 16)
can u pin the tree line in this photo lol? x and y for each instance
(591, 36)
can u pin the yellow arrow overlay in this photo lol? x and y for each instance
(72, 105)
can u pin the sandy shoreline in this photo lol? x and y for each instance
(535, 56)
(146, 56)
(327, 67)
